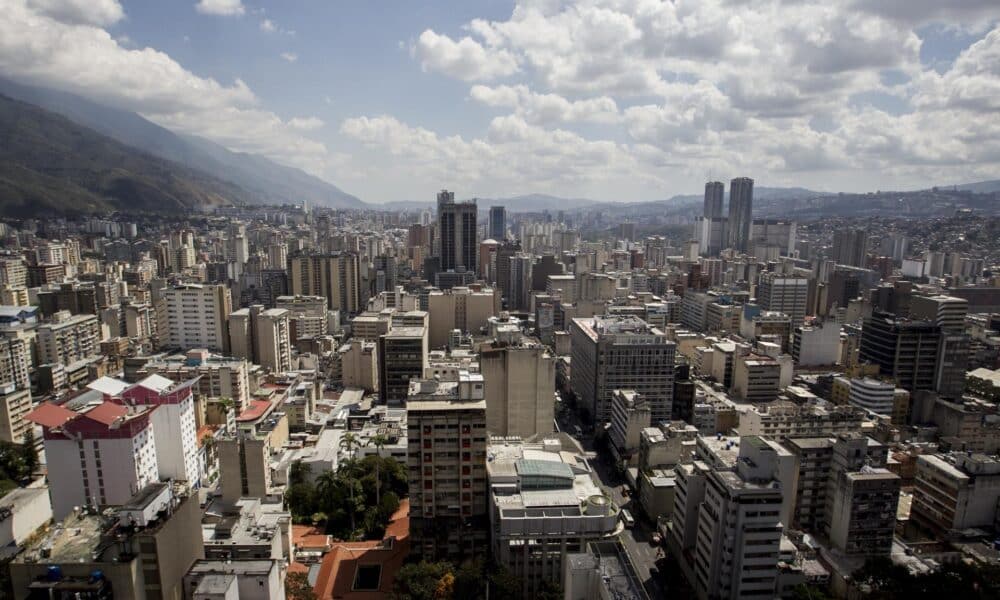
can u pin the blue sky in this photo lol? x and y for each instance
(609, 99)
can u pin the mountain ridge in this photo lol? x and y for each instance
(52, 165)
(263, 180)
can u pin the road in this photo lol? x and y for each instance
(636, 541)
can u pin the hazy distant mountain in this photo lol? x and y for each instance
(539, 202)
(263, 180)
(980, 187)
(51, 165)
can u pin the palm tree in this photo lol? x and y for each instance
(350, 443)
(379, 441)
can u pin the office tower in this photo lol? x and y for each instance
(459, 308)
(620, 353)
(498, 223)
(520, 282)
(337, 277)
(904, 349)
(543, 482)
(505, 252)
(520, 387)
(626, 231)
(446, 421)
(82, 447)
(948, 313)
(457, 243)
(402, 356)
(872, 394)
(784, 293)
(194, 316)
(740, 213)
(68, 338)
(714, 191)
(546, 266)
(850, 247)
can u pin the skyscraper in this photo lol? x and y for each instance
(740, 212)
(714, 191)
(498, 223)
(456, 233)
(850, 247)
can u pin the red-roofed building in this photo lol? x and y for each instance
(99, 456)
(366, 570)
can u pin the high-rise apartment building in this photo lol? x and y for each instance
(15, 403)
(738, 522)
(498, 223)
(620, 353)
(98, 457)
(67, 338)
(520, 388)
(15, 359)
(307, 314)
(334, 276)
(262, 336)
(861, 497)
(457, 232)
(194, 316)
(740, 213)
(447, 440)
(172, 419)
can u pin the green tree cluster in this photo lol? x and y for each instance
(355, 502)
(17, 462)
(444, 581)
(883, 579)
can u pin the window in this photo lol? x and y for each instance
(367, 578)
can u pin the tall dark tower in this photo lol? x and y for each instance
(457, 232)
(714, 191)
(498, 223)
(740, 213)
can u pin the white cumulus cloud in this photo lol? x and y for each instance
(224, 8)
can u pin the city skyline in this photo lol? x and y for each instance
(600, 100)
